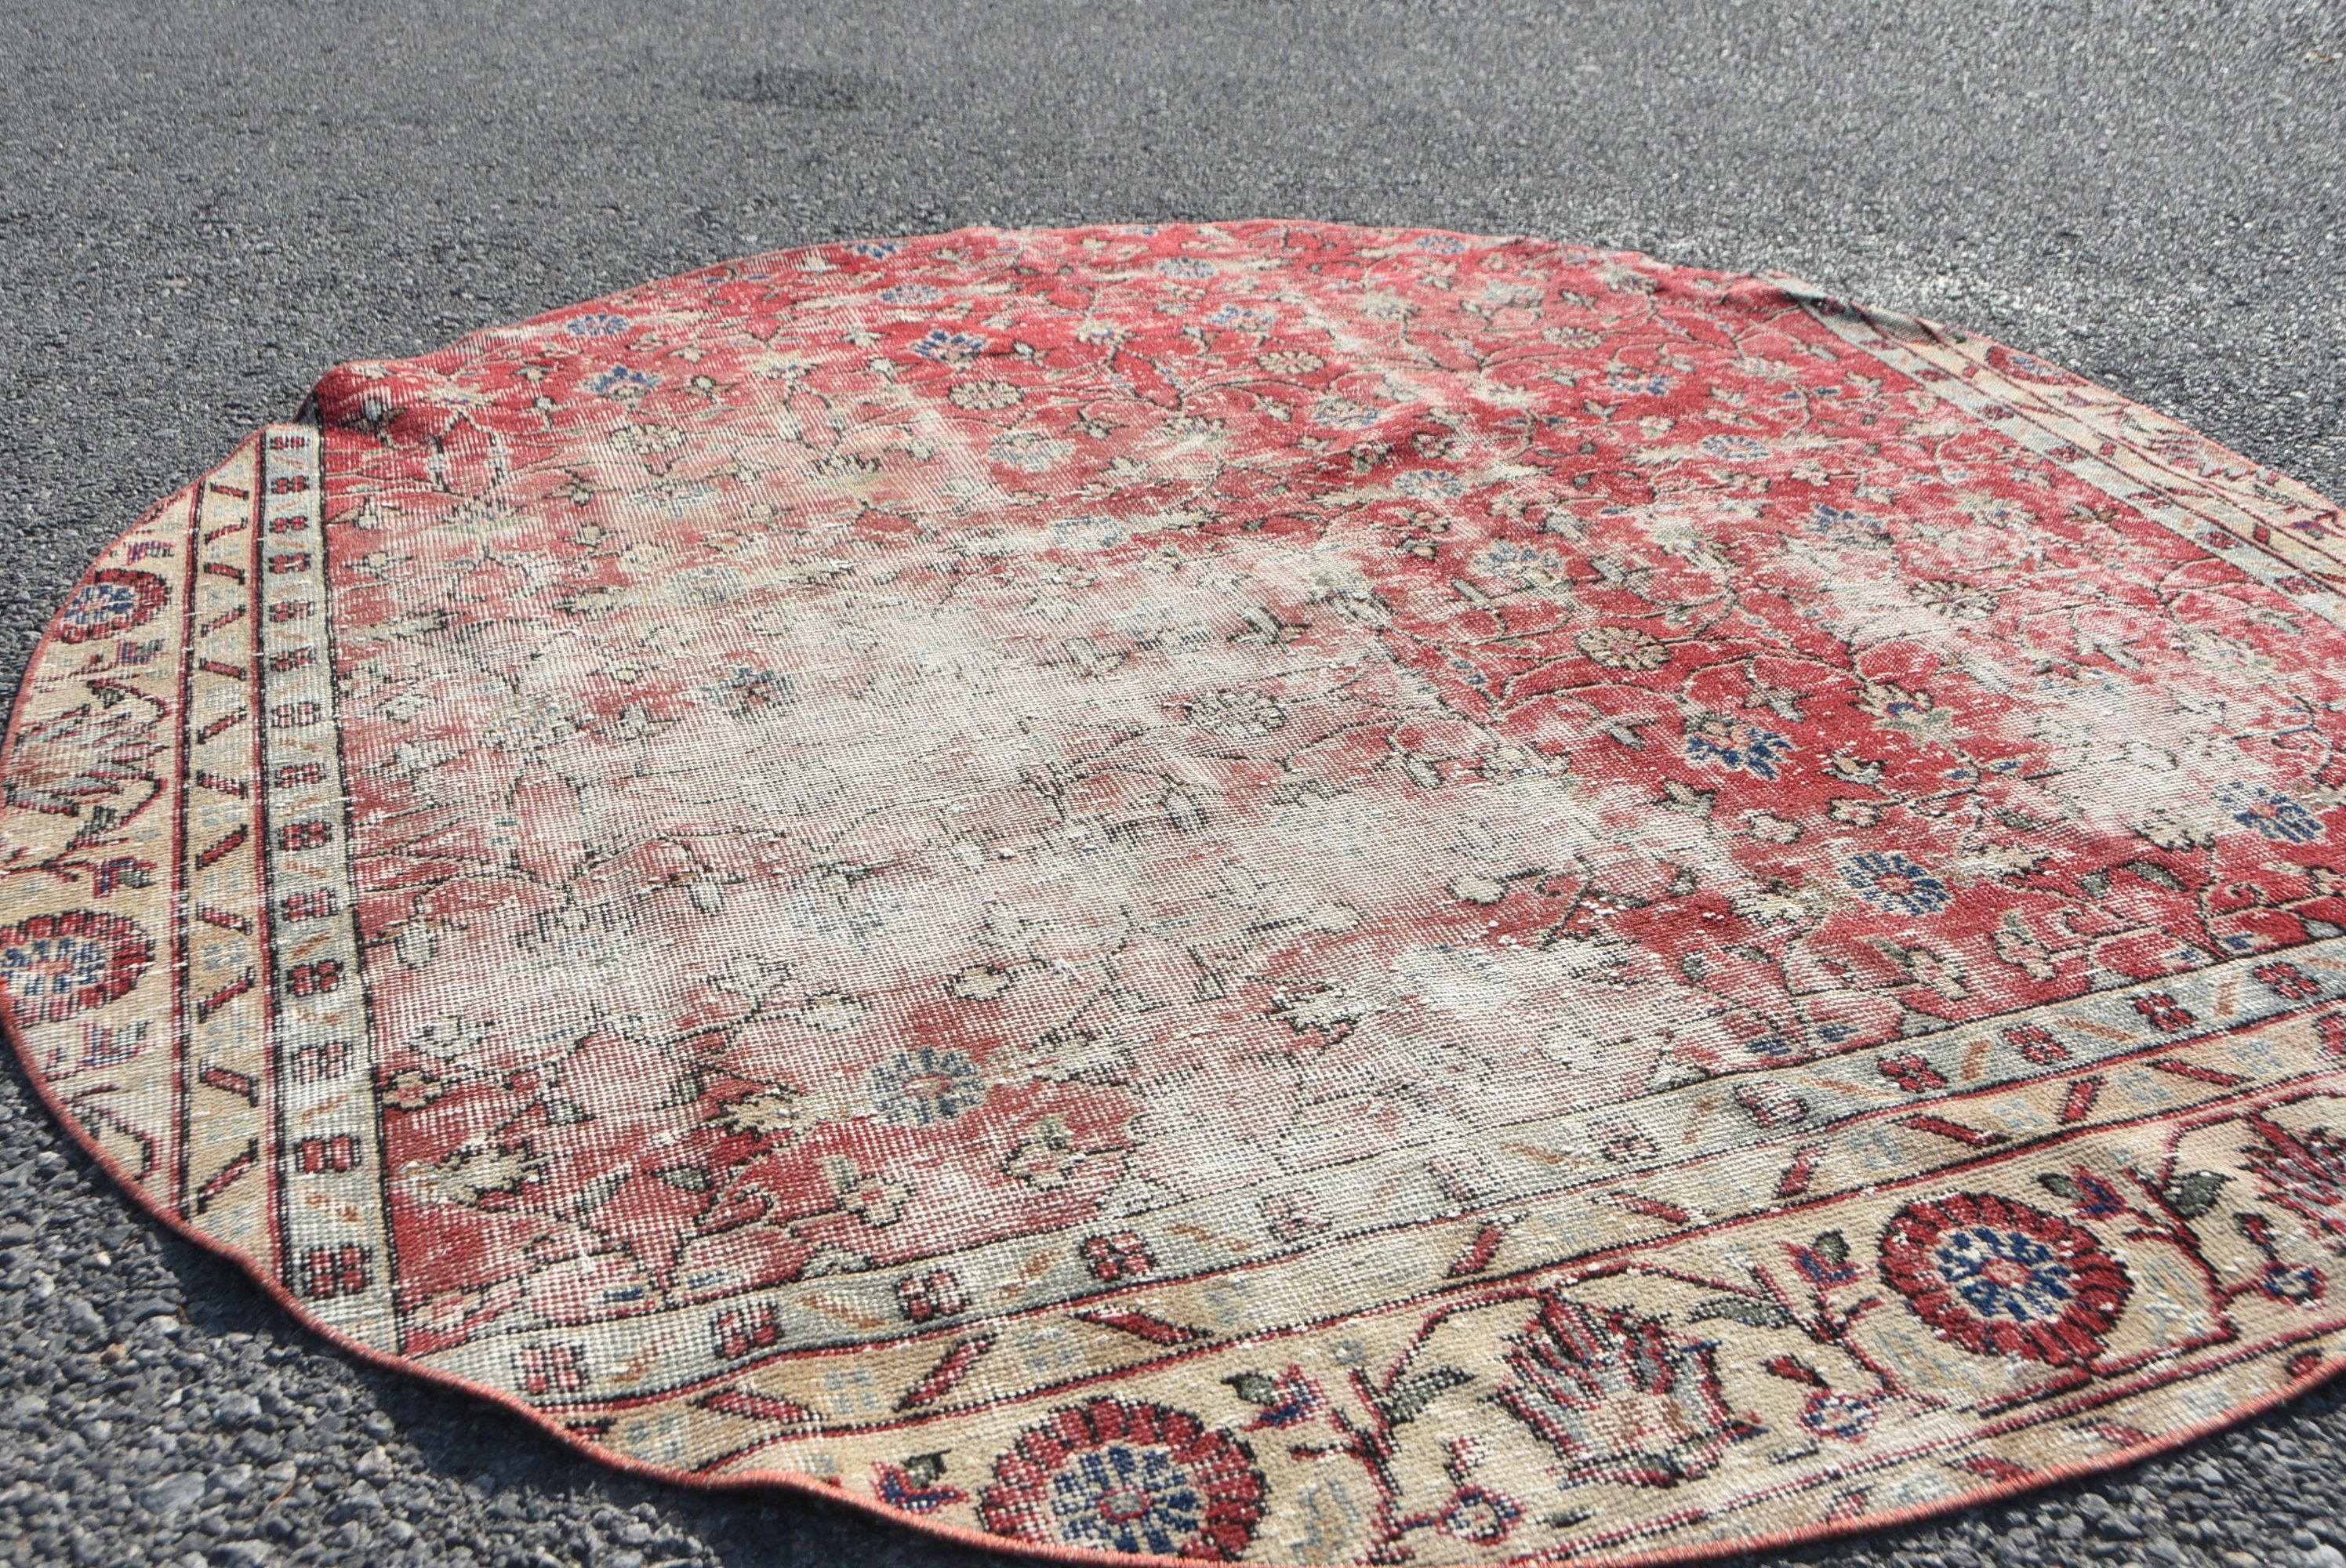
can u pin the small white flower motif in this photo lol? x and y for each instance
(985, 396)
(1957, 601)
(706, 587)
(875, 1199)
(1622, 647)
(1029, 450)
(834, 1011)
(1238, 715)
(764, 1112)
(981, 982)
(529, 728)
(651, 440)
(1045, 1158)
(1572, 338)
(476, 1171)
(1290, 361)
(1344, 413)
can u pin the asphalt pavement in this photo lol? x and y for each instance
(204, 205)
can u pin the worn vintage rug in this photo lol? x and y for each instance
(1266, 890)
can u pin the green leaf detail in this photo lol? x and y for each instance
(602, 1190)
(2058, 1185)
(2195, 1194)
(926, 1469)
(1743, 1309)
(1832, 1246)
(1410, 1397)
(1254, 1388)
(684, 1179)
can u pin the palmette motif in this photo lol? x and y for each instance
(1263, 891)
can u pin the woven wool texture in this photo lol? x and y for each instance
(1265, 891)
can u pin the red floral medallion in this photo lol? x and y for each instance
(113, 599)
(53, 966)
(2002, 1278)
(1112, 1476)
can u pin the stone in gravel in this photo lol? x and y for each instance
(359, 1501)
(173, 1494)
(244, 1554)
(83, 1318)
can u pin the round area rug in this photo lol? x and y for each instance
(1263, 891)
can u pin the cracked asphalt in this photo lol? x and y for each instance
(205, 205)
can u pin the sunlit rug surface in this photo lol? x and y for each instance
(1267, 891)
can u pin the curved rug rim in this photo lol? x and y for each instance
(276, 473)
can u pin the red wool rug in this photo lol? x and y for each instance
(1268, 890)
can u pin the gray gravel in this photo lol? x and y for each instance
(203, 206)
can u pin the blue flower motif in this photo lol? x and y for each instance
(1732, 744)
(1478, 1514)
(1844, 525)
(1184, 266)
(925, 1087)
(1344, 413)
(910, 294)
(2297, 1283)
(1735, 448)
(1832, 1413)
(949, 348)
(1441, 244)
(105, 605)
(1430, 485)
(873, 249)
(622, 382)
(2276, 816)
(2005, 1273)
(44, 971)
(598, 325)
(1121, 1498)
(1891, 881)
(1243, 318)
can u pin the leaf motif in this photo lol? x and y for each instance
(602, 1190)
(1832, 1246)
(1408, 1399)
(684, 1179)
(2194, 1195)
(2058, 1185)
(1254, 1388)
(1743, 1309)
